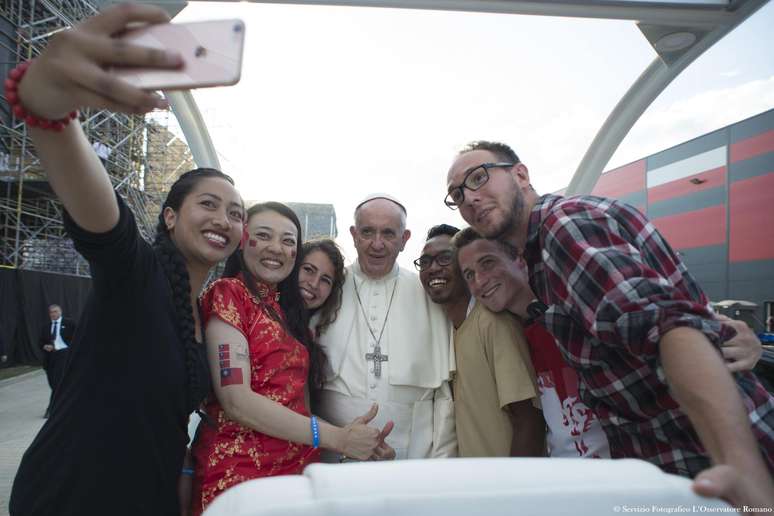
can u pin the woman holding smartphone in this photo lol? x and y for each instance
(263, 364)
(116, 438)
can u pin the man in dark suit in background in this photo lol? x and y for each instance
(55, 340)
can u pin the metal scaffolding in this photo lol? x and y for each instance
(141, 155)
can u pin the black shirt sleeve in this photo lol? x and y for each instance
(115, 256)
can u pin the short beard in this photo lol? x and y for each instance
(511, 220)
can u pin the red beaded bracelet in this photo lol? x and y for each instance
(12, 96)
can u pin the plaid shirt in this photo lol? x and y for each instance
(614, 286)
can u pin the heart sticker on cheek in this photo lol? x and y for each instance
(252, 242)
(293, 253)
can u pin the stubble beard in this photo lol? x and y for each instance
(510, 222)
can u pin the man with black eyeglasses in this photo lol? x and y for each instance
(495, 394)
(633, 323)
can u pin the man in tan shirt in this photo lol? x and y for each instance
(494, 386)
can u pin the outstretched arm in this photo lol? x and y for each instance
(617, 277)
(69, 75)
(706, 392)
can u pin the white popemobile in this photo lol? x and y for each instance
(451, 487)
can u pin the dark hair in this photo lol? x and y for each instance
(296, 316)
(441, 229)
(501, 150)
(329, 310)
(469, 235)
(174, 265)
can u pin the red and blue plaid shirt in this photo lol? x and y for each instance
(614, 286)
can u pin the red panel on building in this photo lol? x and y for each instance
(695, 228)
(708, 179)
(755, 146)
(752, 219)
(621, 181)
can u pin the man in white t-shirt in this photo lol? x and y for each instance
(498, 280)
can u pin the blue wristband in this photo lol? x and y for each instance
(188, 472)
(315, 432)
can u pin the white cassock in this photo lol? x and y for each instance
(413, 387)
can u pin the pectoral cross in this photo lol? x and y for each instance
(378, 358)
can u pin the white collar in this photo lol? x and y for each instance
(362, 275)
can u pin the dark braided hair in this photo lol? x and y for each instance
(329, 310)
(296, 320)
(174, 265)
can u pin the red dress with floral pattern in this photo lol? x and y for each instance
(230, 453)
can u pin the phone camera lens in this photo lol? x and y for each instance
(200, 51)
(238, 27)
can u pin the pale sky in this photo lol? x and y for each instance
(339, 102)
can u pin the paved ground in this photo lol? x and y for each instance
(23, 400)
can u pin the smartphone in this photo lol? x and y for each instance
(211, 50)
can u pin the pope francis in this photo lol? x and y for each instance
(389, 344)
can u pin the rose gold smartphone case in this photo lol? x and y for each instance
(211, 50)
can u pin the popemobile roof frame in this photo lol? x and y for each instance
(679, 31)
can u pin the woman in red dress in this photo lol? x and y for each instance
(263, 362)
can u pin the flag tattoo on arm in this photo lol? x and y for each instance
(228, 375)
